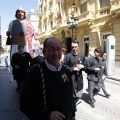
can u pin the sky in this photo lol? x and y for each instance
(8, 9)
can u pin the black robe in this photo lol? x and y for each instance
(23, 61)
(70, 62)
(59, 94)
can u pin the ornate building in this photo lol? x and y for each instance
(97, 20)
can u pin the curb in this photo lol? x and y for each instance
(116, 79)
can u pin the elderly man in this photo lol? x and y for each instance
(48, 92)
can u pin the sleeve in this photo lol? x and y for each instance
(67, 63)
(85, 65)
(13, 61)
(31, 101)
(89, 65)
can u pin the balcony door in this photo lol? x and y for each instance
(86, 45)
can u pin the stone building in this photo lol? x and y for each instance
(97, 19)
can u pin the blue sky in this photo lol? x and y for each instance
(8, 8)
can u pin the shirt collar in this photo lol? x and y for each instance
(21, 21)
(21, 53)
(52, 68)
(74, 53)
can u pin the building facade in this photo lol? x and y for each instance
(33, 18)
(97, 20)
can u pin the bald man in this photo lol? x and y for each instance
(50, 97)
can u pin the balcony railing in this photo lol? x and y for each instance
(86, 16)
(115, 6)
(104, 11)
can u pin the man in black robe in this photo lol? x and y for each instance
(74, 62)
(48, 91)
(20, 62)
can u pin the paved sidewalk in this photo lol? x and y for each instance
(9, 98)
(116, 75)
(105, 109)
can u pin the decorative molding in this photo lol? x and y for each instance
(105, 28)
(115, 2)
(85, 32)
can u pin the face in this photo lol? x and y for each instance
(97, 54)
(20, 14)
(75, 47)
(53, 52)
(20, 49)
(104, 57)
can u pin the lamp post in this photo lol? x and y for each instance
(72, 23)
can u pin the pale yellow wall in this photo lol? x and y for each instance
(116, 30)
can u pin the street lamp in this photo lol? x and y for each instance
(72, 23)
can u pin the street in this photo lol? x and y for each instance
(105, 109)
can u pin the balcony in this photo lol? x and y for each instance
(104, 12)
(50, 12)
(115, 6)
(86, 16)
(44, 16)
(40, 13)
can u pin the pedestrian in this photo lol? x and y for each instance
(36, 46)
(74, 62)
(63, 52)
(104, 72)
(94, 66)
(48, 92)
(6, 60)
(20, 31)
(20, 62)
(0, 58)
(41, 50)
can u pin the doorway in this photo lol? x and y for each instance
(86, 45)
(68, 42)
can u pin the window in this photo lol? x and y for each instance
(45, 27)
(104, 42)
(50, 5)
(86, 45)
(45, 1)
(83, 6)
(51, 24)
(104, 3)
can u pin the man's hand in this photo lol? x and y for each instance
(55, 115)
(17, 67)
(80, 66)
(76, 69)
(97, 69)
